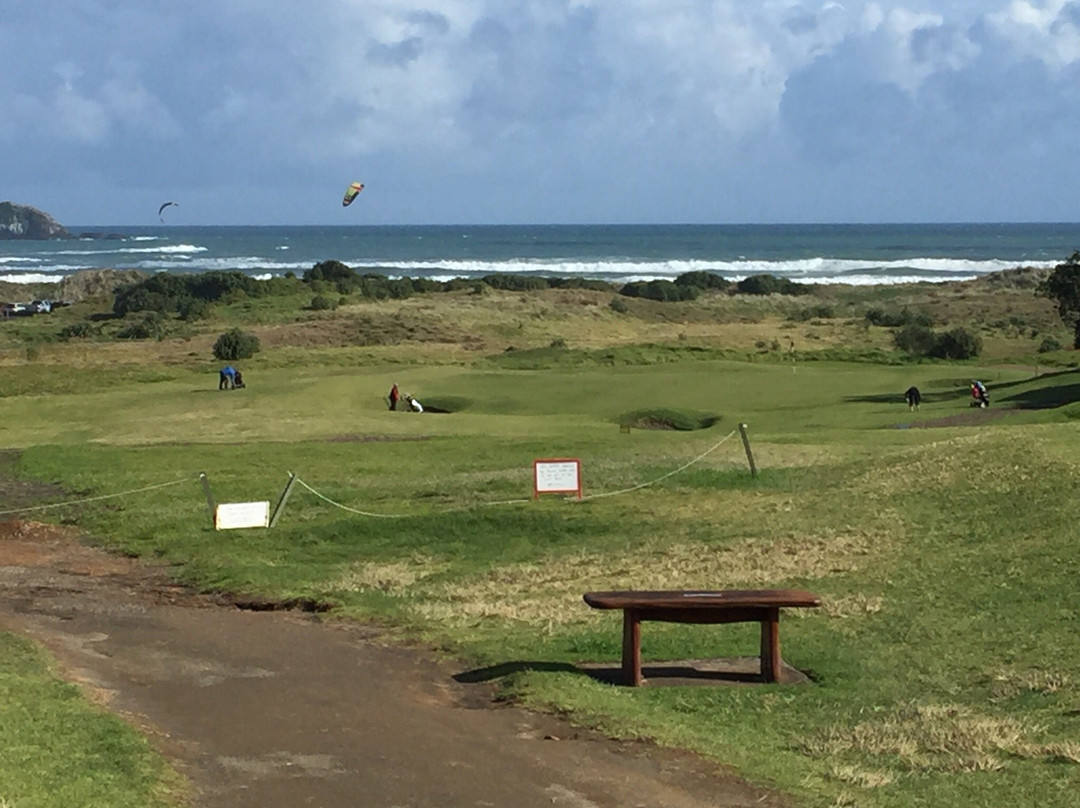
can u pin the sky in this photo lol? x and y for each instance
(541, 111)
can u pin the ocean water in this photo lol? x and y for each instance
(852, 254)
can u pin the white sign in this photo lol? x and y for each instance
(233, 515)
(556, 476)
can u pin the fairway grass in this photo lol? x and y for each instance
(943, 662)
(57, 751)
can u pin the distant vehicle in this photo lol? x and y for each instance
(40, 306)
(14, 309)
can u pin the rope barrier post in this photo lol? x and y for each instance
(749, 454)
(209, 497)
(282, 499)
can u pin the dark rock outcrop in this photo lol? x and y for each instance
(23, 221)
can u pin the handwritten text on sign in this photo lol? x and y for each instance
(232, 515)
(556, 476)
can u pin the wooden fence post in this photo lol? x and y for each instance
(282, 499)
(749, 454)
(209, 497)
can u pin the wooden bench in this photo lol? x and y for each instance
(725, 606)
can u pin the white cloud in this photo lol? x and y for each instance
(1049, 32)
(565, 94)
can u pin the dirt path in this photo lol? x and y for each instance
(283, 709)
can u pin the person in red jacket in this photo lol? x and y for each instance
(393, 397)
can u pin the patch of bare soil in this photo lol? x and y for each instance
(274, 709)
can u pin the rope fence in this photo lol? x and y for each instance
(98, 498)
(663, 477)
(369, 514)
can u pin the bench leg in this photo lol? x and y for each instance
(631, 647)
(770, 646)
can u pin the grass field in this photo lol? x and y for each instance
(944, 663)
(57, 750)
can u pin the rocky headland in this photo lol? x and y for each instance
(25, 222)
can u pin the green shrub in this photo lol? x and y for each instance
(1049, 344)
(703, 280)
(618, 305)
(150, 326)
(458, 285)
(516, 283)
(917, 340)
(236, 344)
(320, 303)
(425, 285)
(193, 308)
(822, 311)
(172, 294)
(580, 283)
(769, 285)
(332, 271)
(958, 343)
(896, 319)
(78, 331)
(662, 290)
(380, 287)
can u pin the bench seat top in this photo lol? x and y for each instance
(703, 599)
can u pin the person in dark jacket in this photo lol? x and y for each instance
(913, 398)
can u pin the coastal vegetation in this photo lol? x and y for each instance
(941, 539)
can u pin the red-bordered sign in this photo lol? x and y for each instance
(558, 475)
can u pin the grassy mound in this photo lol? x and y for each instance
(682, 420)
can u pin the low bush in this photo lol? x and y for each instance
(150, 326)
(380, 287)
(236, 344)
(320, 303)
(78, 331)
(332, 271)
(664, 291)
(769, 285)
(705, 281)
(958, 343)
(918, 340)
(193, 309)
(173, 294)
(822, 311)
(1049, 344)
(516, 283)
(897, 319)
